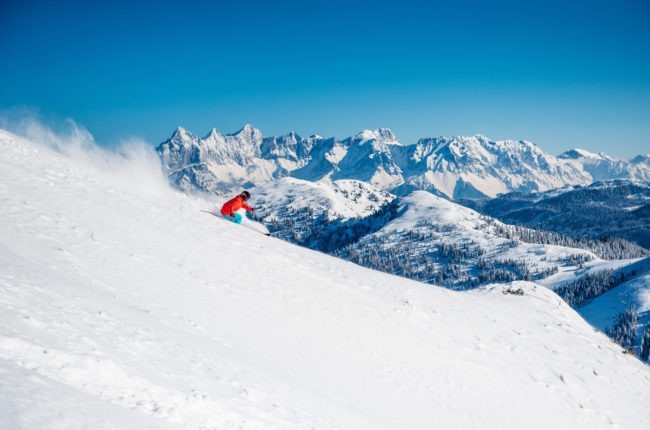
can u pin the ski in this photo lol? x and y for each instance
(221, 217)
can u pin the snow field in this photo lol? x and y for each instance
(126, 308)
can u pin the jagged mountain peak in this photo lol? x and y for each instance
(577, 153)
(384, 135)
(181, 132)
(477, 145)
(477, 138)
(214, 134)
(247, 129)
(641, 159)
(457, 167)
(603, 167)
(292, 136)
(183, 138)
(486, 142)
(473, 166)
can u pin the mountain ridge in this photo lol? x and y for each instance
(456, 167)
(614, 208)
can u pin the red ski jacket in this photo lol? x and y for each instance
(233, 205)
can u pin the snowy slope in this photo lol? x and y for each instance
(630, 293)
(634, 294)
(314, 214)
(124, 307)
(342, 199)
(433, 236)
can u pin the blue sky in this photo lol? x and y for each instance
(560, 73)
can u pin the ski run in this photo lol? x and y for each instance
(122, 306)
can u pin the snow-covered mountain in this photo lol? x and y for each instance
(614, 297)
(321, 215)
(307, 197)
(475, 167)
(337, 200)
(440, 242)
(224, 163)
(457, 167)
(122, 308)
(420, 235)
(617, 208)
(633, 295)
(602, 167)
(219, 162)
(431, 239)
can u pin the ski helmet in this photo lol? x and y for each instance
(246, 195)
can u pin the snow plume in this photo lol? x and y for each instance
(132, 163)
(136, 164)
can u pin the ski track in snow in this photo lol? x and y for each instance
(128, 308)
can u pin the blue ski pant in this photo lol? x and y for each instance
(237, 219)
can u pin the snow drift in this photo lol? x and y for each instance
(121, 308)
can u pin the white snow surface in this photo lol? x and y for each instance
(342, 199)
(634, 294)
(464, 225)
(122, 306)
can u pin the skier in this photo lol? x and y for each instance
(230, 208)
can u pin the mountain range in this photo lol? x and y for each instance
(616, 208)
(431, 239)
(387, 206)
(456, 167)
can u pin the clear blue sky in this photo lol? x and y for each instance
(561, 73)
